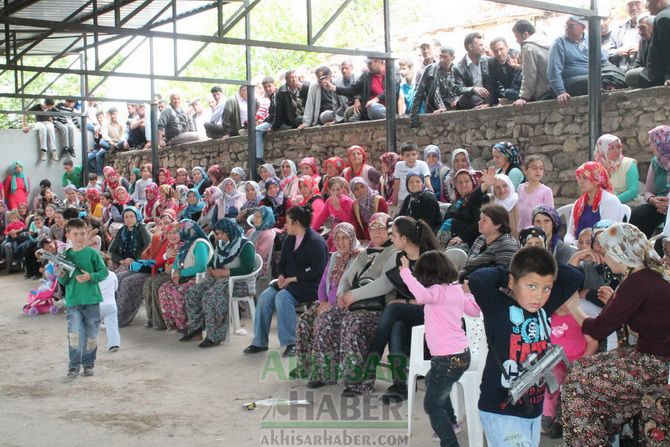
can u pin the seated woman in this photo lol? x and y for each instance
(421, 203)
(181, 178)
(333, 168)
(181, 197)
(166, 237)
(166, 200)
(194, 254)
(232, 200)
(548, 219)
(590, 416)
(262, 235)
(367, 204)
(194, 206)
(252, 200)
(207, 301)
(460, 159)
(289, 179)
(71, 200)
(239, 176)
(622, 170)
(309, 166)
(274, 199)
(210, 210)
(126, 248)
(653, 213)
(357, 167)
(16, 186)
(596, 202)
(93, 206)
(337, 209)
(318, 346)
(215, 175)
(411, 238)
(388, 161)
(508, 160)
(505, 195)
(495, 246)
(164, 177)
(303, 259)
(266, 171)
(200, 179)
(149, 209)
(460, 225)
(309, 194)
(532, 237)
(438, 172)
(113, 180)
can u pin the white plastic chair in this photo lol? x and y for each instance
(444, 207)
(565, 211)
(233, 301)
(468, 384)
(457, 256)
(626, 212)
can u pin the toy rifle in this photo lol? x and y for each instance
(537, 369)
(60, 263)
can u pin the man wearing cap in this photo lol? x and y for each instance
(657, 69)
(645, 28)
(472, 77)
(437, 91)
(430, 49)
(568, 67)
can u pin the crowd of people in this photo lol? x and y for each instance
(367, 244)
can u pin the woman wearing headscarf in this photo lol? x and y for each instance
(508, 160)
(267, 171)
(333, 167)
(181, 197)
(194, 205)
(215, 174)
(182, 178)
(337, 209)
(166, 200)
(167, 239)
(309, 194)
(367, 204)
(438, 172)
(135, 175)
(309, 166)
(164, 177)
(71, 200)
(149, 209)
(274, 199)
(252, 200)
(239, 175)
(388, 161)
(231, 200)
(262, 234)
(113, 180)
(94, 207)
(200, 179)
(16, 186)
(420, 203)
(212, 196)
(357, 167)
(505, 195)
(622, 170)
(318, 330)
(653, 213)
(548, 219)
(460, 226)
(533, 237)
(289, 179)
(207, 301)
(596, 202)
(194, 254)
(460, 159)
(607, 389)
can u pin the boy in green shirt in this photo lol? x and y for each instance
(82, 298)
(72, 175)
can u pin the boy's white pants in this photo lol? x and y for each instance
(109, 316)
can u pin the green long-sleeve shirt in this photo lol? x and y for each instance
(73, 178)
(87, 260)
(632, 184)
(200, 253)
(247, 258)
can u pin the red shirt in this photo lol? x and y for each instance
(377, 86)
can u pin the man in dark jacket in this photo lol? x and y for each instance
(506, 72)
(290, 103)
(270, 90)
(645, 29)
(437, 88)
(472, 76)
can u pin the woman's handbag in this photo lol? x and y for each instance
(377, 303)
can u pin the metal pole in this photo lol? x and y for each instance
(251, 102)
(595, 81)
(83, 130)
(309, 22)
(154, 114)
(389, 85)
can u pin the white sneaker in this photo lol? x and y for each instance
(43, 155)
(54, 155)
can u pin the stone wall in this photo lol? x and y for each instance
(558, 134)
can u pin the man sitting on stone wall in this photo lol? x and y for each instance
(322, 107)
(534, 56)
(436, 91)
(645, 28)
(175, 125)
(472, 76)
(657, 69)
(66, 125)
(45, 128)
(290, 102)
(506, 71)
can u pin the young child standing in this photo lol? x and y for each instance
(82, 298)
(410, 162)
(434, 285)
(139, 194)
(532, 193)
(517, 325)
(10, 245)
(108, 311)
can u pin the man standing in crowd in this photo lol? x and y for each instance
(534, 56)
(139, 129)
(472, 77)
(213, 128)
(290, 103)
(407, 85)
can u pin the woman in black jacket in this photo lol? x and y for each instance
(421, 203)
(304, 256)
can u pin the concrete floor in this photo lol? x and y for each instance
(156, 391)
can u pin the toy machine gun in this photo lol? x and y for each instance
(60, 263)
(536, 370)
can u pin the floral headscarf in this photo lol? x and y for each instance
(252, 203)
(338, 164)
(511, 153)
(602, 146)
(182, 172)
(342, 259)
(215, 194)
(189, 232)
(366, 204)
(239, 171)
(183, 194)
(512, 199)
(267, 222)
(226, 252)
(215, 174)
(108, 184)
(311, 162)
(555, 219)
(168, 178)
(278, 200)
(121, 196)
(22, 176)
(166, 191)
(470, 176)
(660, 137)
(229, 199)
(359, 173)
(311, 184)
(169, 214)
(192, 209)
(271, 169)
(596, 174)
(431, 149)
(530, 232)
(130, 236)
(151, 189)
(93, 197)
(205, 177)
(626, 244)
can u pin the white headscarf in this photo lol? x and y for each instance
(512, 199)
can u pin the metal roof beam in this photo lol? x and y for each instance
(548, 6)
(76, 97)
(51, 62)
(330, 21)
(16, 6)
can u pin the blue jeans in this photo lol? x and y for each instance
(504, 431)
(83, 322)
(96, 157)
(377, 111)
(444, 372)
(261, 129)
(282, 302)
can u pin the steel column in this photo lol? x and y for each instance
(595, 82)
(154, 114)
(83, 130)
(251, 101)
(389, 85)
